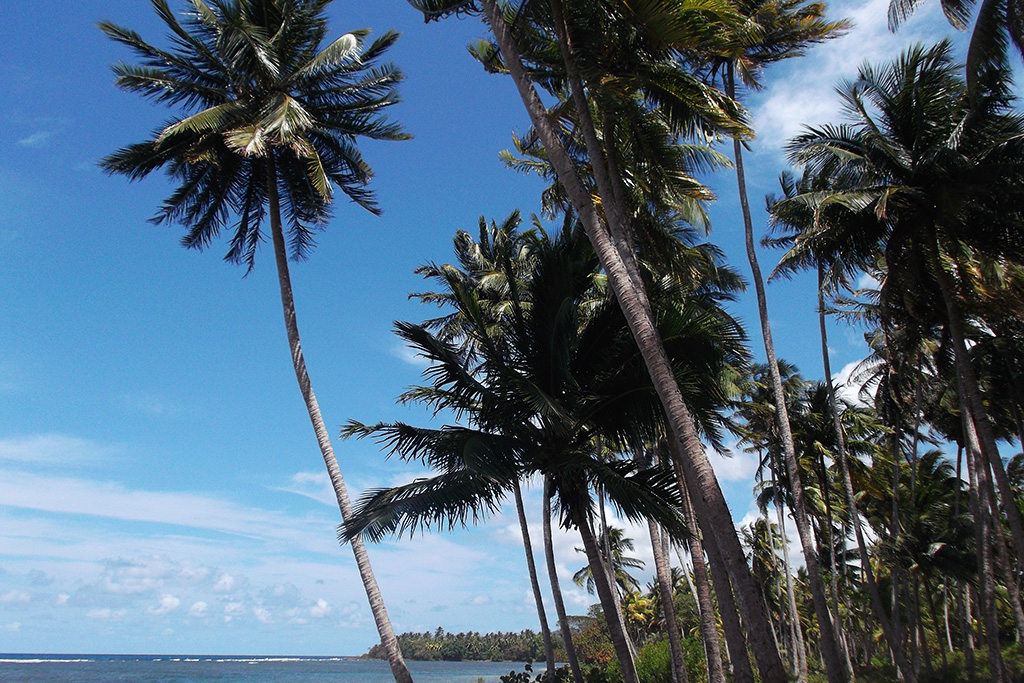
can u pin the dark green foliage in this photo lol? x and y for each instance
(524, 646)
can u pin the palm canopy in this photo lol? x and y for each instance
(263, 101)
(537, 362)
(916, 163)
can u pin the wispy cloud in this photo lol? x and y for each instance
(802, 92)
(149, 404)
(51, 448)
(37, 139)
(407, 355)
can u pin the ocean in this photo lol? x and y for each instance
(231, 669)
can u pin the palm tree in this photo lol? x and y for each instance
(615, 558)
(935, 185)
(781, 29)
(606, 232)
(269, 116)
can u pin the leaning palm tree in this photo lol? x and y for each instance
(605, 227)
(266, 121)
(935, 188)
(777, 30)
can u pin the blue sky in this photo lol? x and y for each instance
(160, 487)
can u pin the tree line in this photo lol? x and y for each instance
(590, 350)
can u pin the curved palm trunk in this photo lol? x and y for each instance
(877, 605)
(977, 464)
(709, 501)
(524, 528)
(556, 589)
(659, 542)
(799, 656)
(606, 594)
(972, 399)
(844, 648)
(830, 653)
(705, 606)
(373, 595)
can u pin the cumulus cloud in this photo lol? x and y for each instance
(320, 610)
(198, 609)
(168, 603)
(62, 599)
(225, 583)
(262, 615)
(735, 466)
(801, 92)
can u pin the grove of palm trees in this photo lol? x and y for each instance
(586, 348)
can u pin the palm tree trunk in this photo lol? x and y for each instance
(549, 648)
(607, 596)
(709, 502)
(799, 655)
(830, 653)
(971, 399)
(373, 595)
(705, 605)
(556, 589)
(888, 631)
(977, 464)
(664, 574)
(851, 499)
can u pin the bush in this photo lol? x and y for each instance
(654, 663)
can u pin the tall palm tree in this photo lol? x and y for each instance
(777, 30)
(268, 115)
(936, 183)
(606, 231)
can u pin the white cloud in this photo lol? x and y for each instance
(106, 613)
(849, 385)
(112, 500)
(50, 448)
(168, 603)
(13, 596)
(62, 599)
(198, 609)
(262, 615)
(37, 139)
(736, 466)
(233, 609)
(313, 485)
(801, 91)
(866, 281)
(320, 610)
(12, 627)
(225, 583)
(407, 355)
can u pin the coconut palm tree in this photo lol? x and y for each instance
(618, 545)
(777, 30)
(266, 120)
(708, 499)
(935, 184)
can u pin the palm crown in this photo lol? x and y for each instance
(265, 104)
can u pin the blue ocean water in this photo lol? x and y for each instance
(206, 668)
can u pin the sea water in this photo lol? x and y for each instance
(233, 669)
